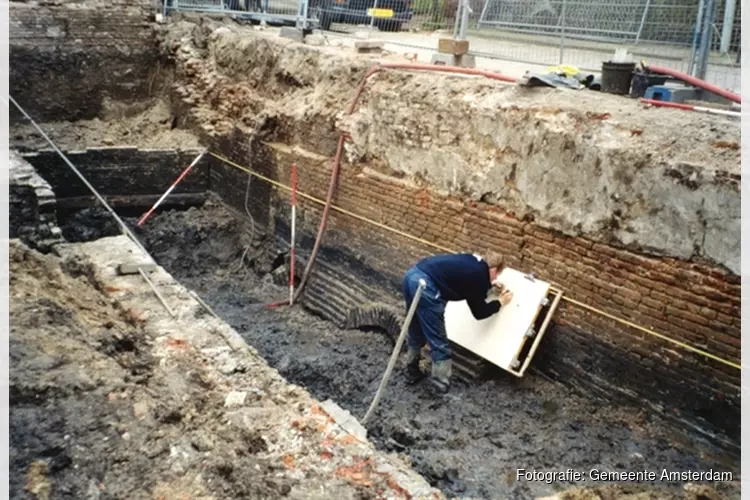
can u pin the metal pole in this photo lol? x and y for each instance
(483, 14)
(464, 19)
(294, 234)
(305, 13)
(643, 21)
(728, 26)
(372, 17)
(562, 31)
(696, 37)
(705, 46)
(396, 351)
(457, 23)
(171, 188)
(156, 292)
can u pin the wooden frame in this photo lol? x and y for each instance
(501, 338)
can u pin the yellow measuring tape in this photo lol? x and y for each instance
(448, 250)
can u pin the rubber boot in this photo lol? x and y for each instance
(413, 373)
(441, 376)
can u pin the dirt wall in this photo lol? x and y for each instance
(654, 181)
(68, 59)
(632, 211)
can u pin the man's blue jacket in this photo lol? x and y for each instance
(462, 276)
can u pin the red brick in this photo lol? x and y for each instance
(722, 318)
(687, 315)
(653, 303)
(652, 323)
(729, 340)
(604, 249)
(581, 242)
(723, 350)
(713, 294)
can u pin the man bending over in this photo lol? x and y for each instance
(456, 277)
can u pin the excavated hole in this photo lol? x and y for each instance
(470, 444)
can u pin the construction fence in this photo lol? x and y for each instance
(699, 37)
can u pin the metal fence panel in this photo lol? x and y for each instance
(700, 37)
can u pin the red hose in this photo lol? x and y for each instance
(689, 107)
(667, 104)
(340, 149)
(696, 82)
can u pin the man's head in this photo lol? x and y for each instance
(495, 262)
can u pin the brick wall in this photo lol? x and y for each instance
(691, 302)
(65, 58)
(32, 206)
(121, 171)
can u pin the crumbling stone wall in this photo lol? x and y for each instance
(67, 58)
(32, 204)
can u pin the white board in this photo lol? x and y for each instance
(499, 338)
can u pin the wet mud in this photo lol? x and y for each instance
(469, 444)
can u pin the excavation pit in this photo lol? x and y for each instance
(469, 445)
(635, 212)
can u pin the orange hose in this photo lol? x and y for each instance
(340, 149)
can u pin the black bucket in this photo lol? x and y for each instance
(616, 77)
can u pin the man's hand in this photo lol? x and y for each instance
(505, 297)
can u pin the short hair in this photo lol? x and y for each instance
(494, 260)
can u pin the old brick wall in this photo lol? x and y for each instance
(32, 206)
(122, 171)
(691, 302)
(66, 57)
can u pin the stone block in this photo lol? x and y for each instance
(463, 61)
(368, 46)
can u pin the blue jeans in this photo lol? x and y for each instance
(428, 324)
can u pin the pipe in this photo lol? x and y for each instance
(690, 107)
(396, 351)
(293, 236)
(696, 82)
(342, 138)
(171, 188)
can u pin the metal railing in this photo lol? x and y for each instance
(275, 12)
(699, 37)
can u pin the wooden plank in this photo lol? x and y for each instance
(499, 338)
(454, 47)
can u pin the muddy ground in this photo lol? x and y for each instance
(469, 445)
